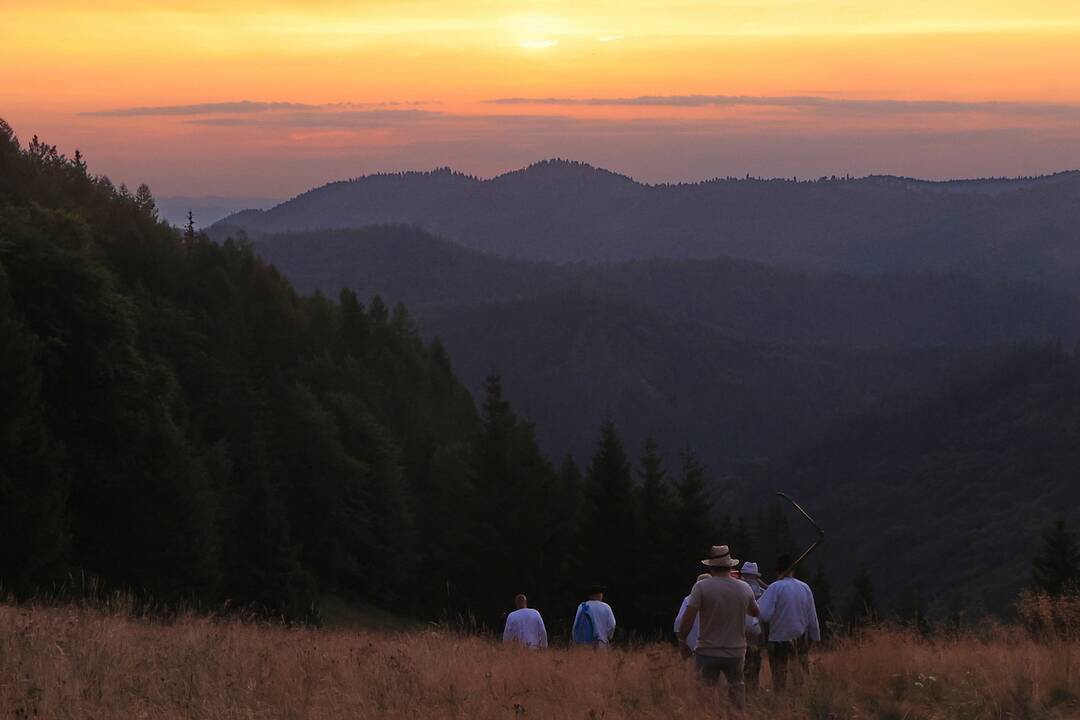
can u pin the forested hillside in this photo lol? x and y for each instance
(736, 358)
(181, 424)
(179, 421)
(562, 211)
(940, 496)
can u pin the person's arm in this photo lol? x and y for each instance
(508, 634)
(611, 616)
(685, 627)
(543, 632)
(752, 609)
(767, 604)
(687, 623)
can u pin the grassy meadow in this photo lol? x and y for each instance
(77, 662)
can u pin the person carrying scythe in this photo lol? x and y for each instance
(787, 605)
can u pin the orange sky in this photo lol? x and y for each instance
(152, 90)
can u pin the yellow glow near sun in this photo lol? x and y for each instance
(537, 44)
(537, 31)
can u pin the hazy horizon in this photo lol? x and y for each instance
(274, 98)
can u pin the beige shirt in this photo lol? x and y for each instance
(721, 603)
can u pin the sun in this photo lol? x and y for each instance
(532, 44)
(536, 31)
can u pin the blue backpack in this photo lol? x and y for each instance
(584, 632)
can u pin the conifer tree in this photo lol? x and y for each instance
(144, 200)
(189, 227)
(1056, 569)
(862, 603)
(511, 487)
(563, 569)
(696, 529)
(659, 578)
(823, 602)
(609, 531)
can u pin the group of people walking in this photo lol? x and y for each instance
(730, 619)
(731, 616)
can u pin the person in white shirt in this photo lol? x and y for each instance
(601, 614)
(788, 607)
(524, 626)
(750, 575)
(691, 638)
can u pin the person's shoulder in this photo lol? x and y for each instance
(533, 612)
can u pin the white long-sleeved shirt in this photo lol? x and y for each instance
(603, 619)
(525, 627)
(788, 606)
(753, 625)
(692, 636)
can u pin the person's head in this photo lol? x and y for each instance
(596, 592)
(784, 563)
(720, 561)
(520, 601)
(749, 571)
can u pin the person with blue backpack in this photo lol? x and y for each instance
(594, 623)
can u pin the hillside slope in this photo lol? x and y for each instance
(738, 358)
(946, 493)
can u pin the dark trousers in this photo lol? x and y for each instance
(782, 653)
(752, 666)
(711, 668)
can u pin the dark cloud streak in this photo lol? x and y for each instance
(239, 107)
(814, 102)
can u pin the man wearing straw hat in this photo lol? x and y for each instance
(722, 603)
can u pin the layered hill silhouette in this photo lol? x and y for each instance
(740, 359)
(1018, 229)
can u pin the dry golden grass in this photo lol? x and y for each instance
(82, 663)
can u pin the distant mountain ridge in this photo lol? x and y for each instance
(560, 211)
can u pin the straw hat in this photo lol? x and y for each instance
(720, 556)
(750, 568)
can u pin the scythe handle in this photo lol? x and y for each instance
(820, 535)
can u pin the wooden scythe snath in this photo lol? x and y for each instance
(820, 536)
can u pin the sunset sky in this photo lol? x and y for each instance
(273, 97)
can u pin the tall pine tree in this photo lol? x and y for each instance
(610, 521)
(693, 513)
(1056, 569)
